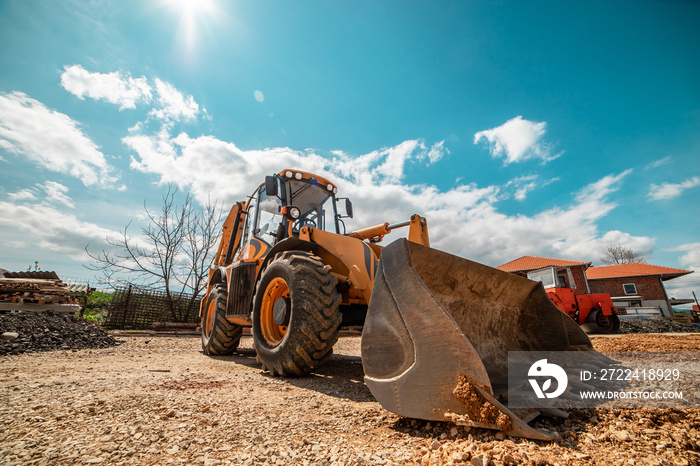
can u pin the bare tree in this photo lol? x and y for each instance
(619, 254)
(201, 240)
(172, 253)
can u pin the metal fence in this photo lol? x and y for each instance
(137, 308)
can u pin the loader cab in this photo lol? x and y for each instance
(285, 203)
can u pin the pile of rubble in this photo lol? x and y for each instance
(656, 325)
(33, 331)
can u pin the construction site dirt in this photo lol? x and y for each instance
(160, 401)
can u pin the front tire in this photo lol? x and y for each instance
(219, 336)
(295, 314)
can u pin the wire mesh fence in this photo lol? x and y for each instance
(135, 308)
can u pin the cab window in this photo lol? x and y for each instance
(545, 276)
(315, 205)
(269, 217)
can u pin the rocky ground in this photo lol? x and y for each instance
(158, 400)
(657, 325)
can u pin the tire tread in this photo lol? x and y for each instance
(316, 312)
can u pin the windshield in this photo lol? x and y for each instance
(313, 203)
(545, 276)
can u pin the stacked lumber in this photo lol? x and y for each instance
(35, 291)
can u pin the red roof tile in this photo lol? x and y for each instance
(634, 270)
(527, 263)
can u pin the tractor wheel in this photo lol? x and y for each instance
(607, 324)
(295, 314)
(219, 336)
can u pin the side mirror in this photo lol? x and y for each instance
(348, 208)
(270, 186)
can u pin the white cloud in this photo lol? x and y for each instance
(50, 139)
(437, 152)
(115, 88)
(671, 190)
(525, 184)
(683, 287)
(691, 259)
(197, 164)
(207, 164)
(121, 89)
(26, 194)
(517, 140)
(54, 230)
(56, 192)
(15, 244)
(174, 106)
(387, 164)
(464, 220)
(659, 163)
(642, 245)
(603, 187)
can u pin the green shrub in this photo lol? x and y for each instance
(97, 304)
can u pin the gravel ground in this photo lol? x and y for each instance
(656, 325)
(154, 401)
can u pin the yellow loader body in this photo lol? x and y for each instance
(437, 327)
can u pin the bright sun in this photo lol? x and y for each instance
(194, 15)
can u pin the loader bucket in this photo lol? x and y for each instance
(438, 330)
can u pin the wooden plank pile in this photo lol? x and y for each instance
(35, 291)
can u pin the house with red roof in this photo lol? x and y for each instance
(629, 285)
(635, 285)
(570, 274)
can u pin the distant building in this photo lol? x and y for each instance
(571, 274)
(629, 285)
(635, 285)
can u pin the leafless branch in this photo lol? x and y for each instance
(620, 254)
(172, 252)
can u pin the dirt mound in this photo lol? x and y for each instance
(658, 325)
(32, 331)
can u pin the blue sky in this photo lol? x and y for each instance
(516, 128)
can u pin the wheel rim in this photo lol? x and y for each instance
(276, 294)
(209, 323)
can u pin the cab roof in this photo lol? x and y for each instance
(290, 173)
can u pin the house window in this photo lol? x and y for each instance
(630, 288)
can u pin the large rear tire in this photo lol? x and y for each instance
(295, 314)
(607, 324)
(219, 336)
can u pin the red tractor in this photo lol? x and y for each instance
(592, 311)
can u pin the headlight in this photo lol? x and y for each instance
(293, 213)
(297, 176)
(329, 187)
(288, 174)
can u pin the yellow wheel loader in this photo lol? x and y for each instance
(437, 328)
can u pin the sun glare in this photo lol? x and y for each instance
(194, 16)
